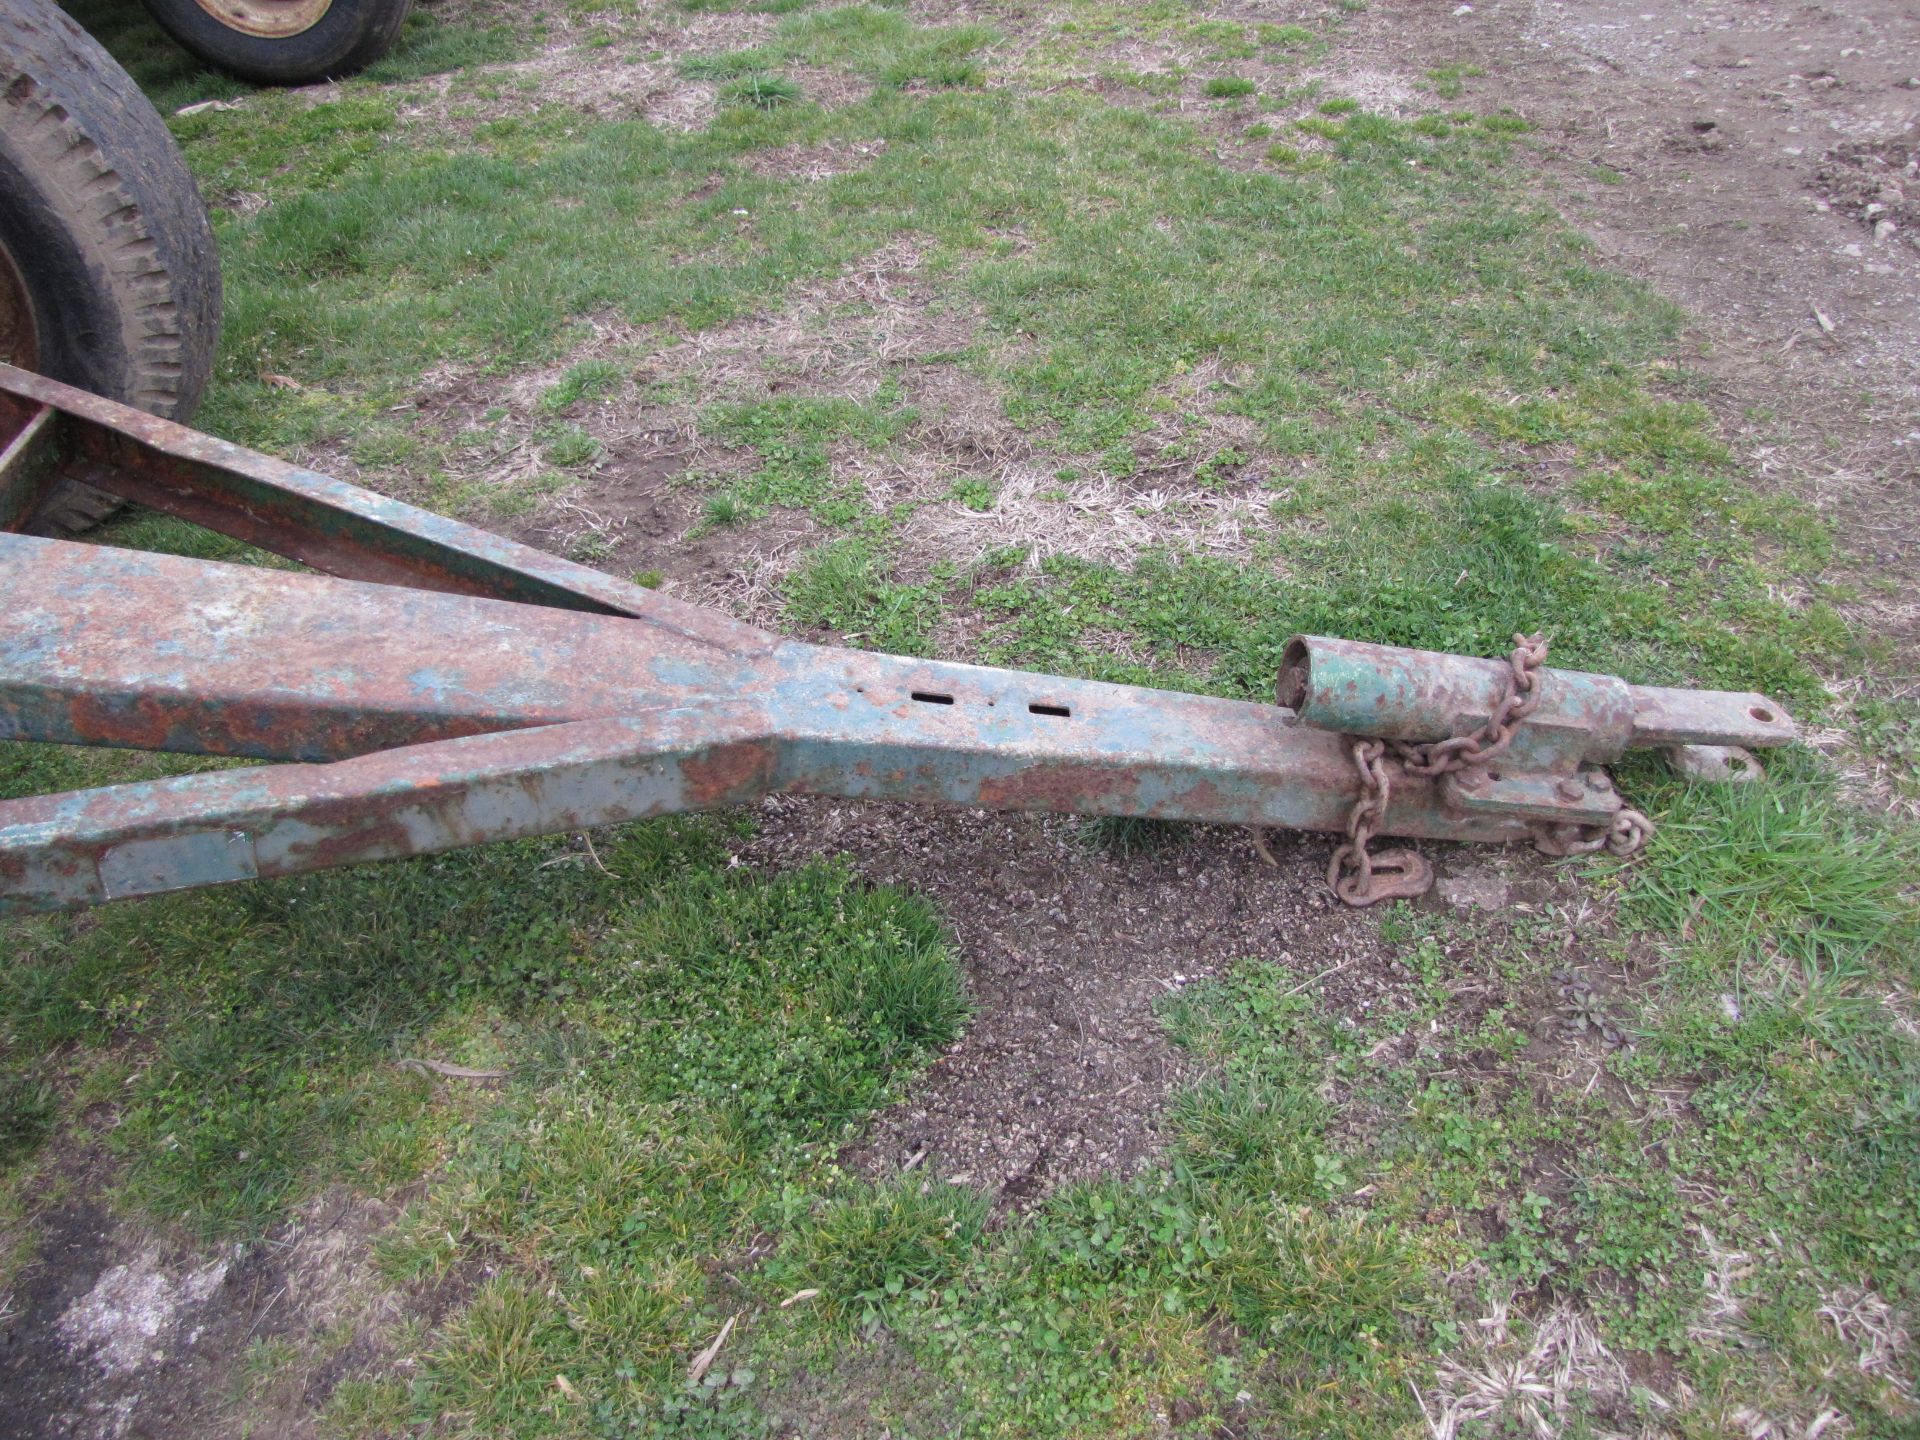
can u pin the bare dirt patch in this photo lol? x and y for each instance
(1876, 181)
(641, 507)
(1382, 91)
(119, 1331)
(1710, 151)
(832, 337)
(614, 88)
(615, 74)
(815, 162)
(116, 1332)
(888, 319)
(637, 514)
(1064, 1072)
(892, 318)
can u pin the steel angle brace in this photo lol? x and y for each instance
(439, 686)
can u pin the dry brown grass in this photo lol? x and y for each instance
(638, 77)
(1528, 1378)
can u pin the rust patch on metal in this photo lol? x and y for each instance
(352, 838)
(1070, 788)
(729, 774)
(137, 723)
(150, 723)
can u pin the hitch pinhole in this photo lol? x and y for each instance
(932, 697)
(1762, 714)
(1060, 712)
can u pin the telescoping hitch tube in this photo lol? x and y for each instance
(438, 686)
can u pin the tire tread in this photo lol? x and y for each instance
(114, 180)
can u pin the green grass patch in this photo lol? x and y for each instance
(589, 379)
(278, 1011)
(879, 44)
(763, 91)
(792, 438)
(1227, 87)
(849, 587)
(1449, 81)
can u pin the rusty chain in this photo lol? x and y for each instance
(1625, 834)
(1443, 757)
(1356, 875)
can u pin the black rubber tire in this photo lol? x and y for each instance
(105, 225)
(350, 36)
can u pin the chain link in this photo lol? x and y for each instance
(1355, 874)
(1626, 834)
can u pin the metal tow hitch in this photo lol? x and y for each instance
(436, 686)
(1509, 738)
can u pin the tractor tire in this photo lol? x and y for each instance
(109, 278)
(284, 42)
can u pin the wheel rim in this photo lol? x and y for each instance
(19, 334)
(270, 19)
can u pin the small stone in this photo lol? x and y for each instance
(1884, 230)
(1473, 890)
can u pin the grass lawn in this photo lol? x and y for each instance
(1109, 339)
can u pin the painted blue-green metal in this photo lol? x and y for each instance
(1420, 695)
(443, 687)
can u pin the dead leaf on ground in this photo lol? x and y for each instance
(452, 1072)
(703, 1362)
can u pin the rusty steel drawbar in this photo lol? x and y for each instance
(437, 686)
